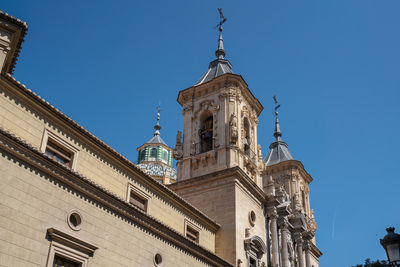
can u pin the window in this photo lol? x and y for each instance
(142, 155)
(192, 234)
(138, 198)
(206, 132)
(59, 150)
(68, 251)
(191, 231)
(246, 139)
(165, 155)
(58, 153)
(62, 262)
(253, 261)
(153, 153)
(138, 201)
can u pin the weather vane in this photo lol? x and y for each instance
(222, 19)
(277, 106)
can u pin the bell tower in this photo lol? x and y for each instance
(219, 161)
(220, 117)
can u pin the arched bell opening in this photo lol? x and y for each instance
(246, 137)
(206, 131)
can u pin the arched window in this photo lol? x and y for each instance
(206, 132)
(246, 137)
(165, 155)
(153, 152)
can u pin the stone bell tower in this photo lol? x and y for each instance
(220, 117)
(219, 161)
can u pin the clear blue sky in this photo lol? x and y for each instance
(334, 66)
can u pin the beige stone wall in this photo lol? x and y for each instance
(218, 202)
(246, 203)
(31, 202)
(29, 122)
(229, 203)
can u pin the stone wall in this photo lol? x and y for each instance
(32, 202)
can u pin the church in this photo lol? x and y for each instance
(69, 199)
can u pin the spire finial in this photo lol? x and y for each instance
(157, 127)
(277, 133)
(220, 52)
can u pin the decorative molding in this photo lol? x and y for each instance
(71, 242)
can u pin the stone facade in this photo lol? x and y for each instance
(66, 196)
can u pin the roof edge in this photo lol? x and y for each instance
(15, 51)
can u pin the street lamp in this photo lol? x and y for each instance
(391, 244)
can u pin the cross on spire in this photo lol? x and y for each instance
(277, 133)
(220, 53)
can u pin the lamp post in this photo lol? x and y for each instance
(391, 244)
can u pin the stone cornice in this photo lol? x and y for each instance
(40, 161)
(315, 250)
(251, 99)
(289, 164)
(241, 176)
(39, 104)
(16, 44)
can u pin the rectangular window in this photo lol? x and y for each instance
(138, 201)
(67, 250)
(59, 149)
(192, 234)
(62, 262)
(59, 153)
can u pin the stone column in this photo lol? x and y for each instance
(284, 247)
(299, 243)
(274, 237)
(307, 247)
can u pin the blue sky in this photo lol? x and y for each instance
(334, 66)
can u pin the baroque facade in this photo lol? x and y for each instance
(68, 199)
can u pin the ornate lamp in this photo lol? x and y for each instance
(391, 244)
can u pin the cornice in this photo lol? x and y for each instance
(153, 145)
(40, 161)
(24, 28)
(241, 176)
(315, 250)
(251, 99)
(285, 165)
(20, 90)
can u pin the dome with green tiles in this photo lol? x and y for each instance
(155, 157)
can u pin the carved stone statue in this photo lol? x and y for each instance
(312, 225)
(297, 202)
(178, 150)
(233, 129)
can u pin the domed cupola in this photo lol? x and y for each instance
(155, 157)
(279, 150)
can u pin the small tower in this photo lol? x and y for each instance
(155, 157)
(289, 175)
